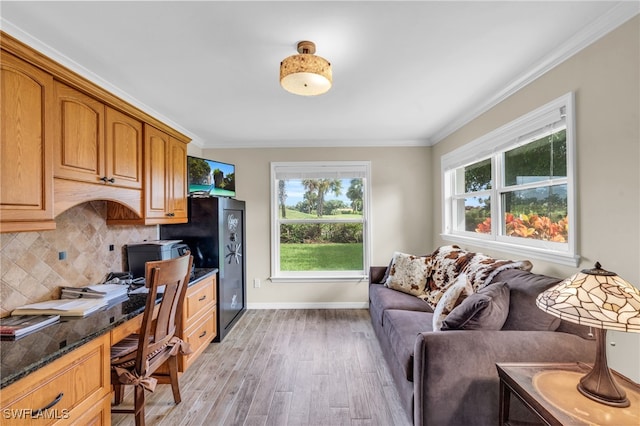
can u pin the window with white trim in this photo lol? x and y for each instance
(319, 220)
(513, 189)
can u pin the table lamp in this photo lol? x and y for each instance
(599, 299)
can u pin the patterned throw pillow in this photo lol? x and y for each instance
(451, 298)
(408, 273)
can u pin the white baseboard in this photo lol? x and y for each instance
(305, 305)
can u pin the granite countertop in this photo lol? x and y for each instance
(25, 355)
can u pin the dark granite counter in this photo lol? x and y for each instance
(23, 356)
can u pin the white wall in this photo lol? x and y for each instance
(605, 78)
(401, 216)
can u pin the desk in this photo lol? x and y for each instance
(549, 391)
(61, 373)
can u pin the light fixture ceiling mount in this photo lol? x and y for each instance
(306, 74)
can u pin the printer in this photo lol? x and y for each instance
(140, 253)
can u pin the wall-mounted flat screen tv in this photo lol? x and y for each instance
(210, 178)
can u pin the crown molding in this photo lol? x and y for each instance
(319, 143)
(606, 23)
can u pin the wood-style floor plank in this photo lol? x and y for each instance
(284, 367)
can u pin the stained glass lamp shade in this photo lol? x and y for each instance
(599, 299)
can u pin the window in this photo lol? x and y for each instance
(320, 220)
(513, 189)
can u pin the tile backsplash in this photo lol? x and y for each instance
(30, 268)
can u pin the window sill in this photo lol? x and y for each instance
(562, 258)
(318, 279)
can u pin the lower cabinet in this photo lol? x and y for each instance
(74, 389)
(199, 319)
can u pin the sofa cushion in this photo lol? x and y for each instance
(402, 328)
(408, 273)
(523, 312)
(485, 310)
(451, 298)
(382, 298)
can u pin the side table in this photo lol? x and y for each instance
(549, 391)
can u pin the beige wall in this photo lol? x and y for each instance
(605, 78)
(401, 216)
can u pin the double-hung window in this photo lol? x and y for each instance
(319, 220)
(513, 189)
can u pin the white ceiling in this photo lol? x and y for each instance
(405, 73)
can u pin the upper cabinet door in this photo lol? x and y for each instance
(94, 143)
(177, 179)
(26, 103)
(79, 152)
(124, 149)
(156, 169)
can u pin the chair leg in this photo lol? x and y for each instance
(173, 377)
(138, 398)
(118, 394)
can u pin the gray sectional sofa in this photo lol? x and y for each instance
(449, 377)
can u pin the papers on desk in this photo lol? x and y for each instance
(108, 292)
(24, 324)
(62, 307)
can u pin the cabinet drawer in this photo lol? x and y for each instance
(199, 335)
(199, 298)
(63, 390)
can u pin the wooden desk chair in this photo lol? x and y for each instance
(136, 359)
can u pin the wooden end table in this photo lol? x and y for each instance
(549, 391)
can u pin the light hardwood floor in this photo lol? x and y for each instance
(284, 367)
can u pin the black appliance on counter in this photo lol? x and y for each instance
(140, 253)
(215, 235)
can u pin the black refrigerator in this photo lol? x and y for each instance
(216, 236)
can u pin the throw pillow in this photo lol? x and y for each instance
(485, 310)
(408, 273)
(451, 298)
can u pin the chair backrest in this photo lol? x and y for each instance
(157, 331)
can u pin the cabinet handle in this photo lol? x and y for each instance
(170, 214)
(51, 404)
(204, 333)
(106, 179)
(112, 180)
(202, 298)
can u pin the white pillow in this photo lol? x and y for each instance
(451, 298)
(408, 273)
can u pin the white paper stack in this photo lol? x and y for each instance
(107, 292)
(62, 307)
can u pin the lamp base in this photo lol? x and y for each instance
(599, 385)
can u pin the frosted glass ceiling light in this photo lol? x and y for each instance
(305, 74)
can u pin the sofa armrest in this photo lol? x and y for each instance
(376, 273)
(455, 377)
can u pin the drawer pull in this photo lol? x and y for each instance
(202, 298)
(51, 404)
(204, 333)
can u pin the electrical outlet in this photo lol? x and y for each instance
(111, 247)
(62, 255)
(256, 283)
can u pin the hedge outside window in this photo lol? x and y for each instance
(513, 189)
(319, 220)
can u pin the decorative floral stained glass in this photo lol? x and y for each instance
(602, 301)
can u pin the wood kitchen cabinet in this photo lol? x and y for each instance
(95, 143)
(26, 143)
(198, 319)
(166, 177)
(165, 182)
(74, 389)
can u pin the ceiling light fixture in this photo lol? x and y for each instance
(306, 74)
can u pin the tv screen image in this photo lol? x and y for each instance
(210, 178)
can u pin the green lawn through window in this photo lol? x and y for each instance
(319, 257)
